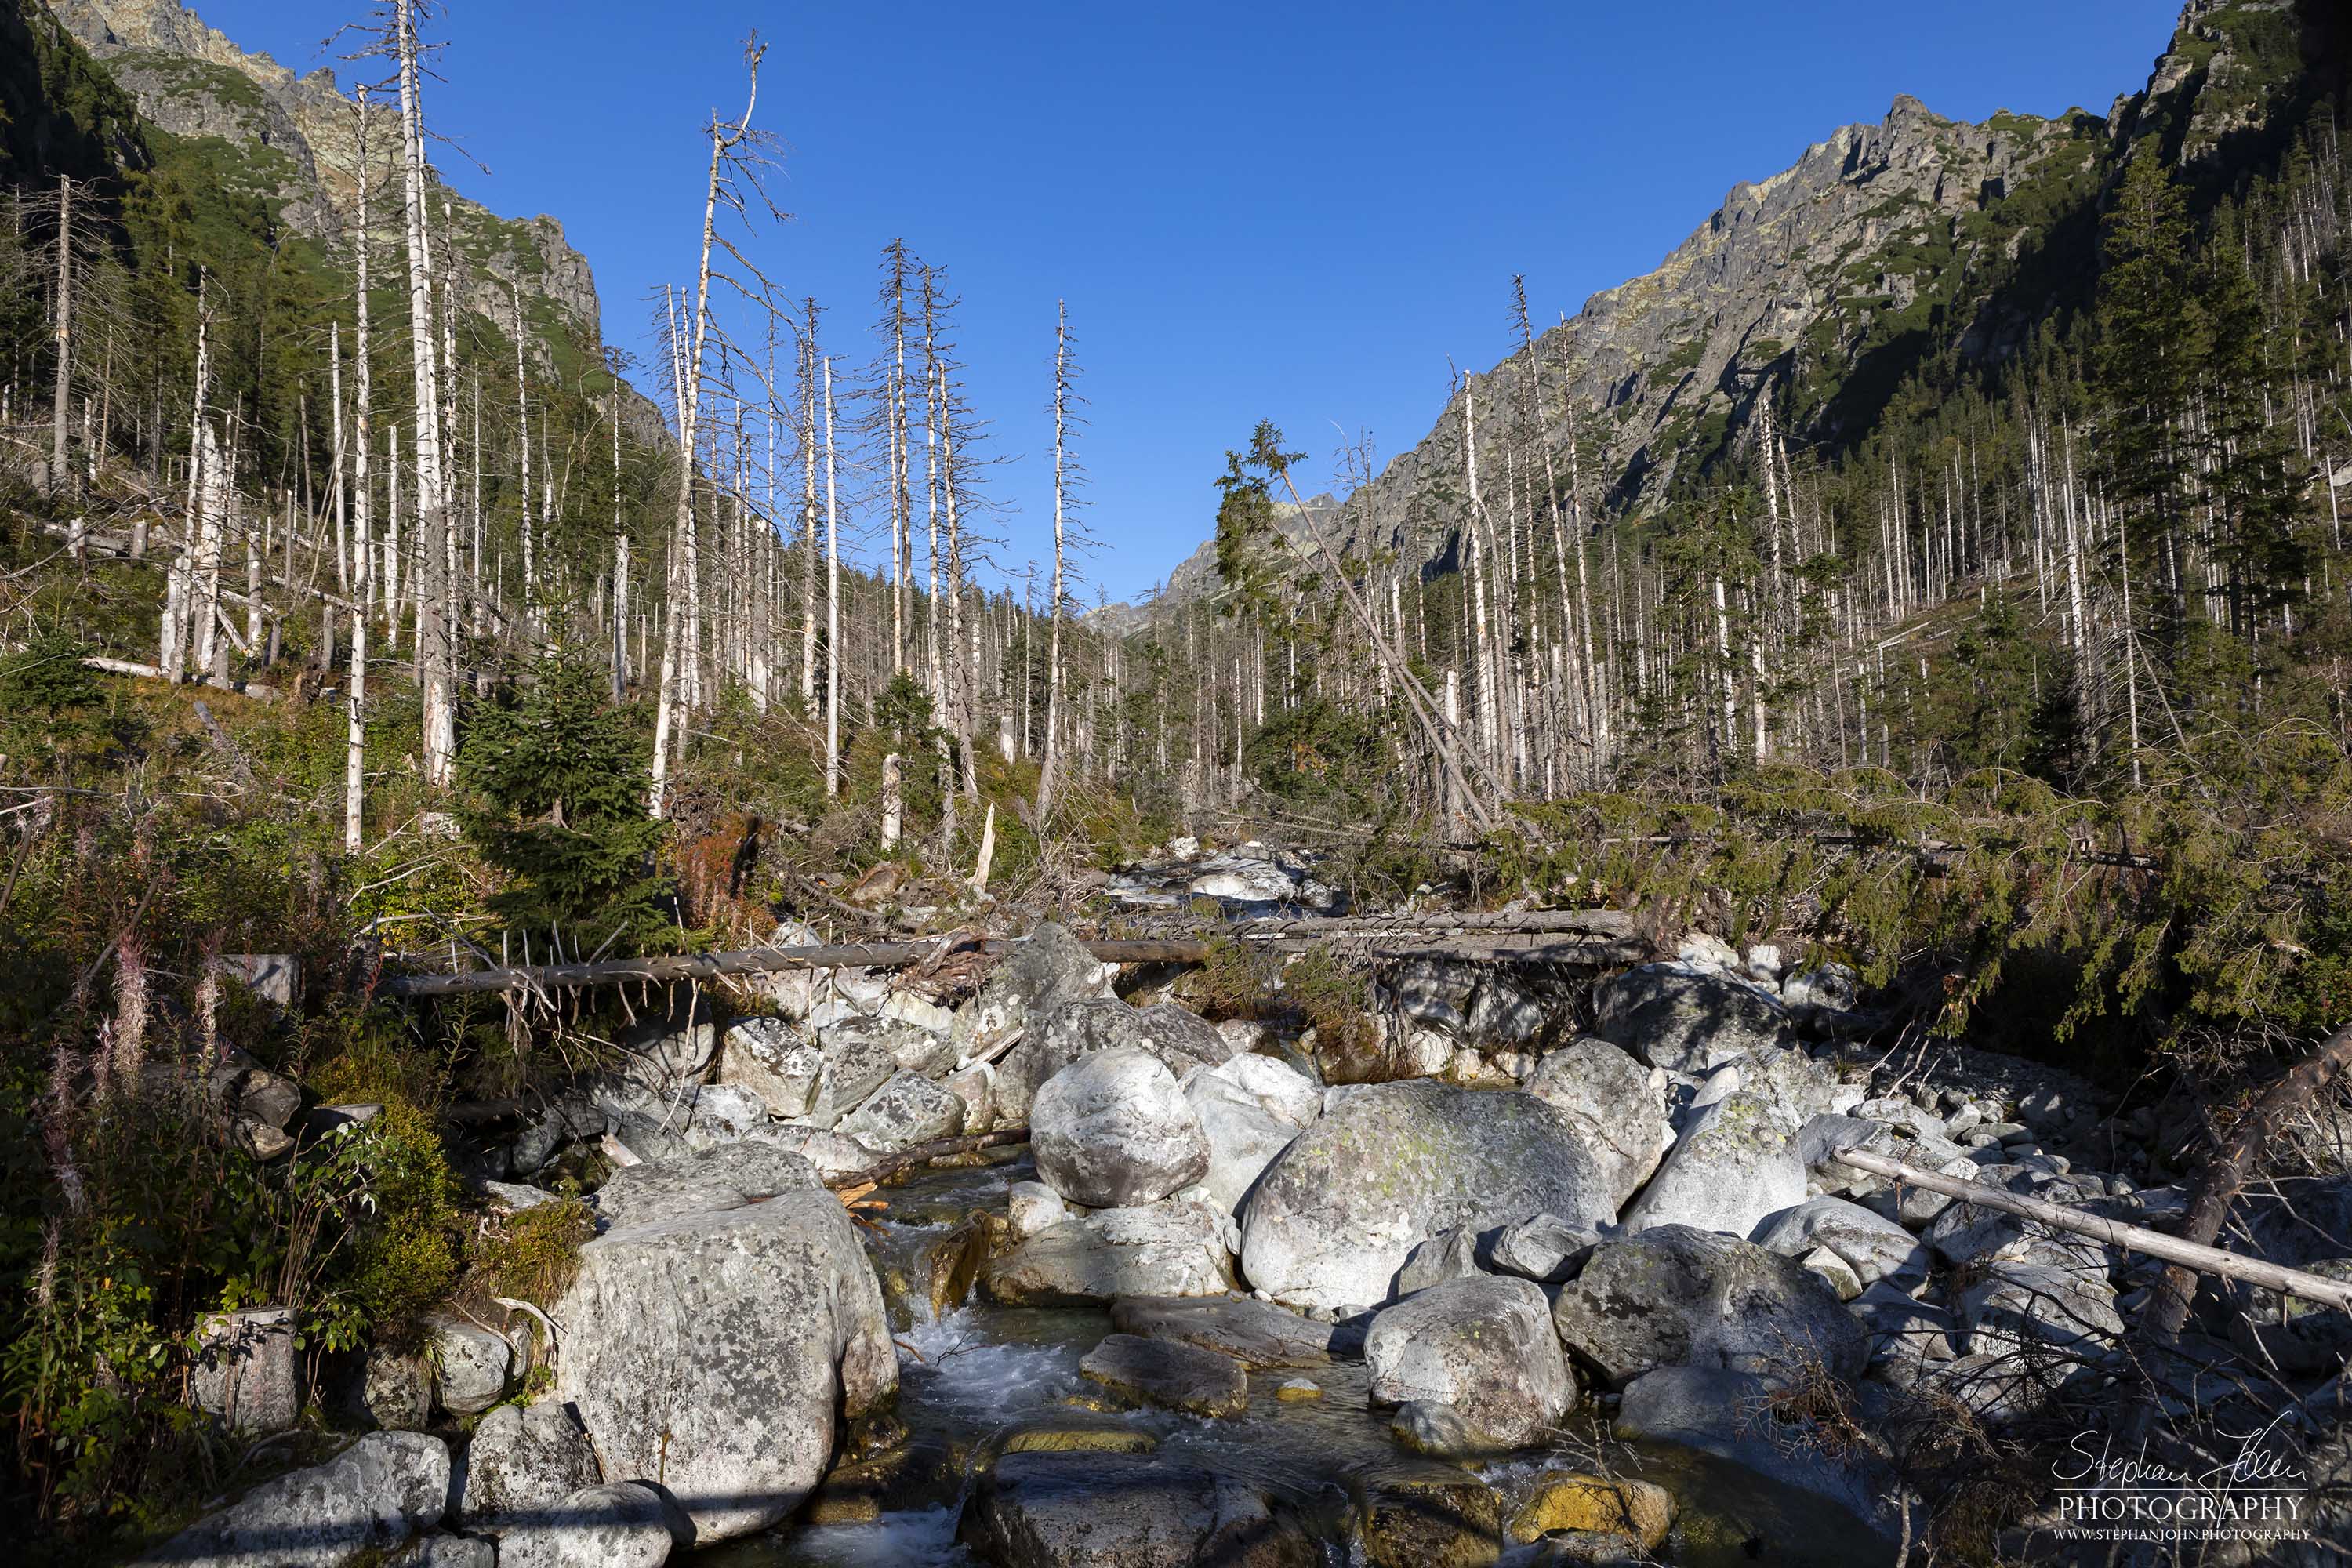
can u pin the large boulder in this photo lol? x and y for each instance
(2021, 1305)
(1244, 1136)
(1687, 1019)
(624, 1525)
(1619, 1106)
(1735, 1162)
(1077, 1029)
(1673, 1296)
(725, 1177)
(1874, 1246)
(714, 1345)
(1113, 1130)
(374, 1495)
(522, 1462)
(1335, 1215)
(908, 1109)
(1173, 1248)
(1036, 975)
(775, 1060)
(860, 1056)
(657, 1124)
(1484, 1345)
(1093, 1510)
(1287, 1094)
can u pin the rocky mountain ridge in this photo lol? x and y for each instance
(1881, 247)
(296, 141)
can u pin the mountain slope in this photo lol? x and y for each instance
(293, 142)
(1882, 248)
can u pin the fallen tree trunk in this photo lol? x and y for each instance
(1536, 947)
(2184, 1254)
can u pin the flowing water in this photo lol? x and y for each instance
(975, 1371)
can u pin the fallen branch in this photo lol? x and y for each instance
(921, 1154)
(2183, 1254)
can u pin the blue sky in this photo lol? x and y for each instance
(1292, 212)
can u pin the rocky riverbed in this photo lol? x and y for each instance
(1589, 1284)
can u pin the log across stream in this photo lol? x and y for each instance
(981, 1375)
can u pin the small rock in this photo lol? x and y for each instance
(396, 1390)
(1162, 1371)
(1543, 1247)
(1448, 1255)
(1836, 1270)
(1070, 1438)
(1294, 1389)
(976, 1086)
(1434, 1427)
(1031, 1206)
(473, 1365)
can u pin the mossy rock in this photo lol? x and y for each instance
(1565, 1499)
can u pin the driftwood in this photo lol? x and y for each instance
(2184, 1254)
(1522, 944)
(921, 1154)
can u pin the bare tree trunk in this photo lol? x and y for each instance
(1049, 769)
(531, 596)
(832, 652)
(722, 137)
(61, 471)
(808, 510)
(436, 659)
(963, 687)
(180, 589)
(620, 561)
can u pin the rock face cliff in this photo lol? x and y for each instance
(294, 141)
(1884, 245)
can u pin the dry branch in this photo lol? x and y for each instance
(2184, 1254)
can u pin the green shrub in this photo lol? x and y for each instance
(532, 1253)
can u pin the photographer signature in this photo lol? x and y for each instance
(2092, 1461)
